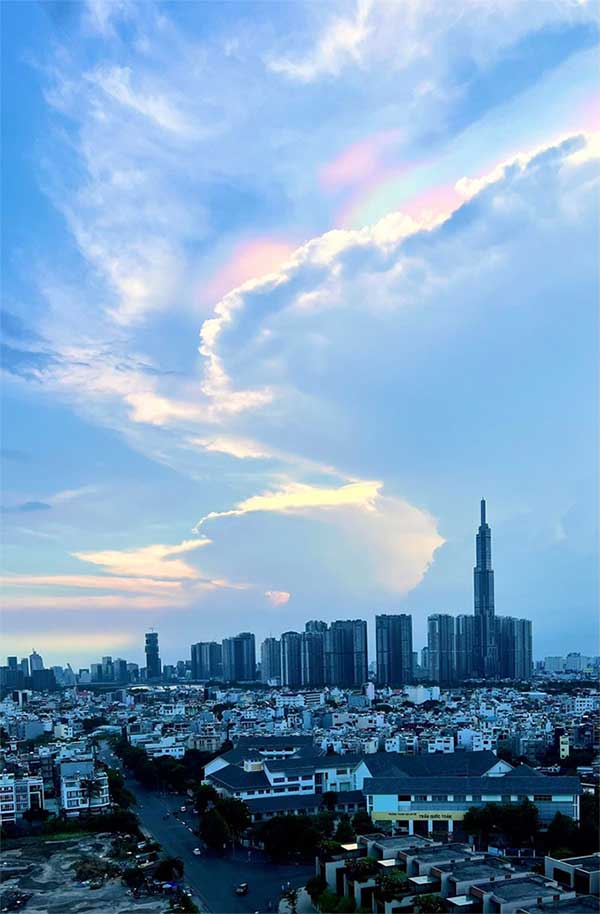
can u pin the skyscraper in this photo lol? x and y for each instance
(206, 660)
(290, 659)
(239, 658)
(153, 665)
(270, 660)
(315, 626)
(440, 644)
(483, 578)
(35, 661)
(465, 647)
(514, 641)
(312, 669)
(393, 641)
(345, 653)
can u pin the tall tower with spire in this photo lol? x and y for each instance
(486, 660)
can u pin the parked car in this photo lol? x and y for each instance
(197, 851)
(242, 889)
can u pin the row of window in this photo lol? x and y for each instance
(475, 798)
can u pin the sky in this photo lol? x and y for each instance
(287, 288)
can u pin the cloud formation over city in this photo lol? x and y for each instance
(315, 321)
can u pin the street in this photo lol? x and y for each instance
(211, 878)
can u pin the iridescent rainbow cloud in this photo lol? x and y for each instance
(250, 259)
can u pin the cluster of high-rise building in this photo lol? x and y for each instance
(480, 645)
(469, 646)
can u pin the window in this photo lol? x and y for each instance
(460, 798)
(439, 798)
(539, 797)
(342, 771)
(421, 798)
(404, 797)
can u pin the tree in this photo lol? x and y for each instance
(392, 885)
(92, 723)
(133, 877)
(329, 800)
(36, 814)
(346, 905)
(169, 870)
(117, 790)
(325, 822)
(291, 897)
(344, 831)
(315, 887)
(204, 796)
(328, 902)
(215, 831)
(429, 903)
(91, 787)
(561, 834)
(362, 823)
(235, 813)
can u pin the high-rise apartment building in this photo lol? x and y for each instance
(315, 626)
(153, 664)
(120, 670)
(108, 672)
(290, 659)
(345, 653)
(312, 664)
(483, 580)
(270, 660)
(514, 641)
(465, 647)
(393, 641)
(440, 645)
(35, 661)
(206, 660)
(239, 658)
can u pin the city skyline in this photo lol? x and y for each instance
(336, 653)
(283, 297)
(458, 647)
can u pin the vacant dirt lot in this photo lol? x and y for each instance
(45, 870)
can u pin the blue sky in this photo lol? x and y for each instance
(287, 289)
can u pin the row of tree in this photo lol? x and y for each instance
(518, 824)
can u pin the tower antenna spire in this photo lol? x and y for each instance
(483, 510)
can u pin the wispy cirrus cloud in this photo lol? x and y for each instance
(92, 582)
(341, 42)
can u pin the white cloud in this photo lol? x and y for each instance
(277, 598)
(406, 35)
(296, 497)
(341, 42)
(156, 106)
(155, 561)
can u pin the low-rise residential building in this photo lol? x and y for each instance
(18, 795)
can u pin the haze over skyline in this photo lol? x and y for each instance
(288, 288)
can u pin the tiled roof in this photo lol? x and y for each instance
(237, 779)
(300, 801)
(473, 785)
